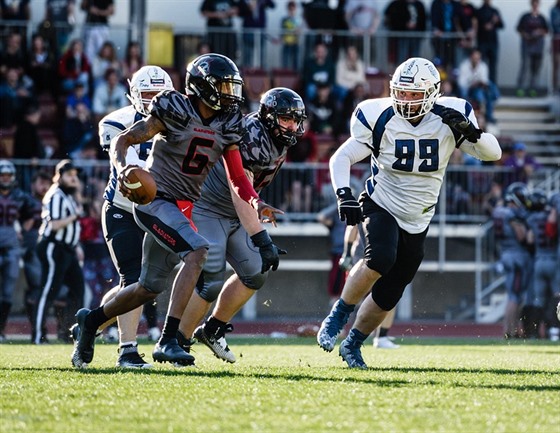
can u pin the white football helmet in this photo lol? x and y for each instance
(415, 75)
(7, 167)
(147, 79)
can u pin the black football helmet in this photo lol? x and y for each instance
(216, 80)
(537, 200)
(7, 168)
(517, 193)
(282, 102)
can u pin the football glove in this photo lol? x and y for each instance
(349, 209)
(459, 122)
(270, 253)
(345, 262)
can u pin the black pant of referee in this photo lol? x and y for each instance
(60, 267)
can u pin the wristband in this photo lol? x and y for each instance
(261, 239)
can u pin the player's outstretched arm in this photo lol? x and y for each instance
(244, 189)
(486, 148)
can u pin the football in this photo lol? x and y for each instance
(141, 184)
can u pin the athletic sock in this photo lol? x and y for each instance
(383, 332)
(170, 329)
(356, 337)
(212, 325)
(96, 318)
(342, 308)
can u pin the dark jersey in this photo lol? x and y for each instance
(503, 217)
(544, 245)
(183, 155)
(260, 156)
(16, 205)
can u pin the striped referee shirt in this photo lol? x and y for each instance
(56, 206)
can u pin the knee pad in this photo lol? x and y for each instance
(154, 281)
(388, 290)
(254, 282)
(210, 285)
(381, 263)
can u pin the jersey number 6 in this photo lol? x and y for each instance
(194, 162)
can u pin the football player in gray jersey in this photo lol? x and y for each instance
(124, 237)
(231, 226)
(190, 134)
(510, 230)
(540, 297)
(409, 137)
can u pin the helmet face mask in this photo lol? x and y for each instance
(148, 79)
(415, 75)
(7, 174)
(216, 80)
(281, 102)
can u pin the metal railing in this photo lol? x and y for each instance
(303, 189)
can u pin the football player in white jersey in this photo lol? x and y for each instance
(409, 137)
(123, 236)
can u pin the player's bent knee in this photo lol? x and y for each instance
(154, 282)
(254, 282)
(210, 291)
(380, 264)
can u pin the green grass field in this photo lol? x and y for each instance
(291, 386)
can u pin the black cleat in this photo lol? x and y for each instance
(85, 342)
(170, 351)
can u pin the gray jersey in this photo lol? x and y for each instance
(260, 156)
(183, 155)
(544, 245)
(503, 217)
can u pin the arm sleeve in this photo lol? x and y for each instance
(349, 153)
(486, 148)
(236, 175)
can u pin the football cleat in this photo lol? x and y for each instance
(384, 343)
(352, 355)
(170, 351)
(330, 328)
(217, 342)
(85, 342)
(130, 358)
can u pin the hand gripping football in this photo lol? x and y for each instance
(141, 184)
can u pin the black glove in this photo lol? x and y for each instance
(349, 209)
(270, 253)
(457, 120)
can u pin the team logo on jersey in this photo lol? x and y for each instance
(118, 216)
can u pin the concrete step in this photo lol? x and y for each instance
(523, 126)
(505, 116)
(512, 103)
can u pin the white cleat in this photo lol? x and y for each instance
(384, 343)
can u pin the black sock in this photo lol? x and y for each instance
(383, 332)
(96, 318)
(212, 325)
(170, 328)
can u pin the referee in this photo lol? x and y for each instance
(58, 248)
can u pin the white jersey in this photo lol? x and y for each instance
(109, 127)
(408, 161)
